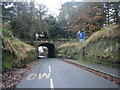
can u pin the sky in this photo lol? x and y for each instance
(53, 5)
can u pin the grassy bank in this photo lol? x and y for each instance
(101, 48)
(14, 51)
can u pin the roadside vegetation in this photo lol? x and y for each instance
(24, 24)
(30, 21)
(107, 32)
(101, 48)
(15, 51)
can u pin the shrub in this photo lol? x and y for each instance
(7, 33)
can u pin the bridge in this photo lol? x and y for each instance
(57, 43)
(51, 45)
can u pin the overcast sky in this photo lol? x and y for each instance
(53, 5)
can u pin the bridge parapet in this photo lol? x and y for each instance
(57, 43)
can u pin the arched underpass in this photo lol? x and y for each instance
(51, 49)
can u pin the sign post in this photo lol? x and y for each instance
(81, 36)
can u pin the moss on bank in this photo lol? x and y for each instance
(14, 51)
(101, 48)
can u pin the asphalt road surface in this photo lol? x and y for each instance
(53, 73)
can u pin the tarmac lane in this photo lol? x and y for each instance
(54, 73)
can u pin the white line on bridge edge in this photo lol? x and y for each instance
(51, 84)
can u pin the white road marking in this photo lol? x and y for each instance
(49, 69)
(51, 84)
(31, 76)
(44, 74)
(40, 76)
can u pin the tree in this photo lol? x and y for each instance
(41, 15)
(26, 18)
(82, 15)
(54, 30)
(7, 11)
(111, 10)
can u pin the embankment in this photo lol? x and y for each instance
(15, 52)
(102, 48)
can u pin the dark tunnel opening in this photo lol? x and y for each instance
(51, 49)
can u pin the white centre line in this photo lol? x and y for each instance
(51, 84)
(49, 69)
(51, 80)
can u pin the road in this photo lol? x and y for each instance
(53, 73)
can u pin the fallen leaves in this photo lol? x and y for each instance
(12, 78)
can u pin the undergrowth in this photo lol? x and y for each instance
(101, 48)
(15, 51)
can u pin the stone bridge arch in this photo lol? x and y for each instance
(51, 49)
(56, 43)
